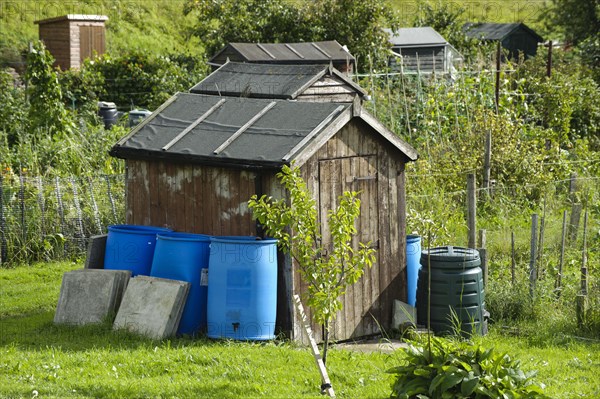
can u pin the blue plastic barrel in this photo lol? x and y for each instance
(413, 257)
(131, 247)
(242, 288)
(184, 257)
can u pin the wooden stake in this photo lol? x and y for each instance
(532, 269)
(574, 222)
(498, 55)
(562, 255)
(581, 305)
(549, 61)
(584, 279)
(482, 239)
(471, 210)
(487, 162)
(513, 260)
(484, 264)
(326, 383)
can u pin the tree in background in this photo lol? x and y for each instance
(578, 23)
(47, 113)
(355, 23)
(248, 21)
(448, 20)
(574, 20)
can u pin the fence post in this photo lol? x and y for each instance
(497, 91)
(3, 244)
(584, 271)
(581, 299)
(22, 206)
(487, 163)
(483, 255)
(40, 197)
(562, 255)
(110, 198)
(513, 262)
(532, 269)
(95, 206)
(61, 211)
(471, 210)
(81, 232)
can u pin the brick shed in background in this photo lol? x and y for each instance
(73, 38)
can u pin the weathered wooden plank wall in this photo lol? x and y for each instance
(192, 198)
(355, 160)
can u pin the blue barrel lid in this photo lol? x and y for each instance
(244, 240)
(138, 229)
(182, 236)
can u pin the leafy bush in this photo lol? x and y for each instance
(448, 368)
(142, 80)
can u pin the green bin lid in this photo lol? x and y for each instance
(450, 255)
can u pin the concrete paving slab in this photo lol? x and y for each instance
(152, 306)
(88, 296)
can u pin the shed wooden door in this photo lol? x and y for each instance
(91, 39)
(357, 173)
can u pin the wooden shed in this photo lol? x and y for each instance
(74, 37)
(287, 53)
(320, 83)
(514, 37)
(422, 50)
(194, 163)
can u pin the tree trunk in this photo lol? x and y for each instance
(325, 340)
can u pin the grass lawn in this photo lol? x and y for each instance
(36, 356)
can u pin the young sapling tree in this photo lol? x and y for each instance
(327, 271)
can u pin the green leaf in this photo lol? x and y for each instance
(468, 385)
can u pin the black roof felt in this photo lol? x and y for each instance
(264, 143)
(266, 80)
(308, 52)
(496, 31)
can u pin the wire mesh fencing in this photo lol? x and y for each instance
(52, 218)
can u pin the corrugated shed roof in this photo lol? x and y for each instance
(266, 80)
(420, 36)
(287, 52)
(495, 31)
(239, 131)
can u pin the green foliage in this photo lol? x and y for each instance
(327, 273)
(575, 20)
(565, 104)
(448, 18)
(14, 109)
(357, 24)
(248, 21)
(139, 79)
(47, 113)
(459, 369)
